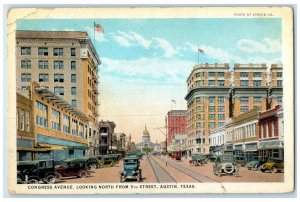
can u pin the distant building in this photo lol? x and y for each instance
(106, 130)
(177, 123)
(146, 142)
(179, 143)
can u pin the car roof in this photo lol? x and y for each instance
(131, 157)
(31, 162)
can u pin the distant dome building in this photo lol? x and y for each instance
(146, 142)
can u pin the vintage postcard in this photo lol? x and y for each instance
(150, 100)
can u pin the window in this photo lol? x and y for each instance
(211, 124)
(58, 51)
(58, 64)
(244, 99)
(257, 74)
(244, 108)
(197, 83)
(211, 82)
(66, 124)
(25, 51)
(221, 124)
(43, 64)
(221, 99)
(197, 75)
(73, 78)
(198, 100)
(257, 83)
(221, 83)
(257, 99)
(279, 83)
(244, 83)
(221, 109)
(211, 117)
(73, 91)
(279, 74)
(55, 119)
(43, 51)
(73, 65)
(43, 77)
(244, 74)
(73, 52)
(221, 116)
(26, 64)
(279, 99)
(22, 119)
(211, 99)
(221, 74)
(198, 109)
(58, 78)
(41, 114)
(25, 77)
(211, 108)
(59, 90)
(211, 74)
(74, 103)
(27, 119)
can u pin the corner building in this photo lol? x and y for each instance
(208, 101)
(67, 63)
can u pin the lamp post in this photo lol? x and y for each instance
(166, 134)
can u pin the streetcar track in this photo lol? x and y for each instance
(163, 176)
(190, 173)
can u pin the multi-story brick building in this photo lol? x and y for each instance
(106, 129)
(208, 101)
(276, 86)
(216, 94)
(271, 133)
(48, 126)
(176, 123)
(250, 87)
(67, 63)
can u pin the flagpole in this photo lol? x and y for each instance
(94, 33)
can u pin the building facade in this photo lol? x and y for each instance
(106, 130)
(177, 123)
(56, 130)
(67, 63)
(271, 133)
(215, 94)
(208, 102)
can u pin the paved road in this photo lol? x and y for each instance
(161, 174)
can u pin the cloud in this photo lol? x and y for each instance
(169, 50)
(267, 45)
(130, 39)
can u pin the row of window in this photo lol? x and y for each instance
(210, 83)
(44, 64)
(211, 99)
(60, 91)
(43, 51)
(210, 74)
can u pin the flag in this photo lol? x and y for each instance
(200, 51)
(99, 28)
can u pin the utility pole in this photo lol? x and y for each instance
(166, 134)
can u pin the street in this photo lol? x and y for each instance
(154, 170)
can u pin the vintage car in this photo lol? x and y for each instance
(107, 160)
(198, 159)
(33, 172)
(92, 163)
(71, 167)
(273, 165)
(131, 169)
(254, 165)
(225, 164)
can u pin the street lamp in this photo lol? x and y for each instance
(166, 134)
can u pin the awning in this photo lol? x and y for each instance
(32, 149)
(50, 147)
(270, 145)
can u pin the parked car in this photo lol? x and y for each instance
(274, 165)
(198, 159)
(254, 165)
(33, 172)
(131, 169)
(107, 160)
(92, 163)
(71, 167)
(225, 164)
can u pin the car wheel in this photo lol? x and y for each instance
(58, 177)
(33, 181)
(274, 170)
(93, 166)
(82, 174)
(50, 179)
(263, 170)
(228, 168)
(249, 168)
(138, 177)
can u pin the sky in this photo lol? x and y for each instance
(145, 62)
